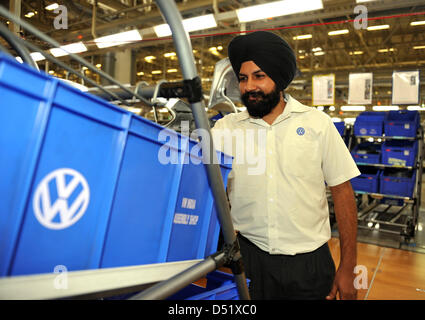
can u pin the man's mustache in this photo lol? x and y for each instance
(254, 94)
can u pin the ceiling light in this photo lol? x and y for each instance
(338, 32)
(69, 48)
(415, 108)
(99, 65)
(30, 14)
(150, 59)
(419, 47)
(303, 36)
(172, 70)
(276, 9)
(417, 23)
(141, 73)
(353, 108)
(169, 54)
(381, 27)
(190, 25)
(118, 39)
(319, 53)
(316, 49)
(355, 52)
(156, 72)
(386, 50)
(52, 6)
(37, 56)
(385, 108)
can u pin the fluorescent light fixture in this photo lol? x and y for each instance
(69, 48)
(190, 25)
(319, 53)
(417, 23)
(276, 9)
(353, 108)
(386, 50)
(118, 39)
(303, 36)
(332, 108)
(381, 27)
(316, 49)
(356, 52)
(150, 59)
(37, 56)
(30, 14)
(415, 108)
(385, 108)
(338, 32)
(419, 47)
(349, 120)
(141, 73)
(169, 54)
(320, 108)
(156, 72)
(52, 6)
(172, 70)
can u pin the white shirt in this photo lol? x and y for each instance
(277, 186)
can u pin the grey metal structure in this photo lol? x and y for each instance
(38, 286)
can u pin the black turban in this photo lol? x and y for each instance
(268, 51)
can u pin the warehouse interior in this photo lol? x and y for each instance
(340, 37)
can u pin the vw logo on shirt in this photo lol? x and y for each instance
(300, 131)
(61, 198)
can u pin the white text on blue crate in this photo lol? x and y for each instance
(247, 147)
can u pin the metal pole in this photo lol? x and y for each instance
(183, 47)
(169, 287)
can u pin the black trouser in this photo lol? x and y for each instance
(306, 276)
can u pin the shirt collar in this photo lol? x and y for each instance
(291, 106)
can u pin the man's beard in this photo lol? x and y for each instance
(263, 104)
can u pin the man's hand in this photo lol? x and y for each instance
(344, 285)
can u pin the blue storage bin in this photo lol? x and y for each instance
(367, 152)
(60, 156)
(398, 152)
(402, 123)
(400, 182)
(369, 123)
(82, 185)
(220, 286)
(340, 126)
(182, 225)
(368, 181)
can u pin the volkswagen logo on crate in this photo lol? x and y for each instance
(61, 198)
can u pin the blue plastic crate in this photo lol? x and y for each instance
(76, 172)
(402, 123)
(369, 124)
(60, 156)
(368, 181)
(220, 286)
(340, 126)
(178, 226)
(367, 152)
(398, 182)
(398, 152)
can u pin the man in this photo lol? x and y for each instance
(281, 213)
